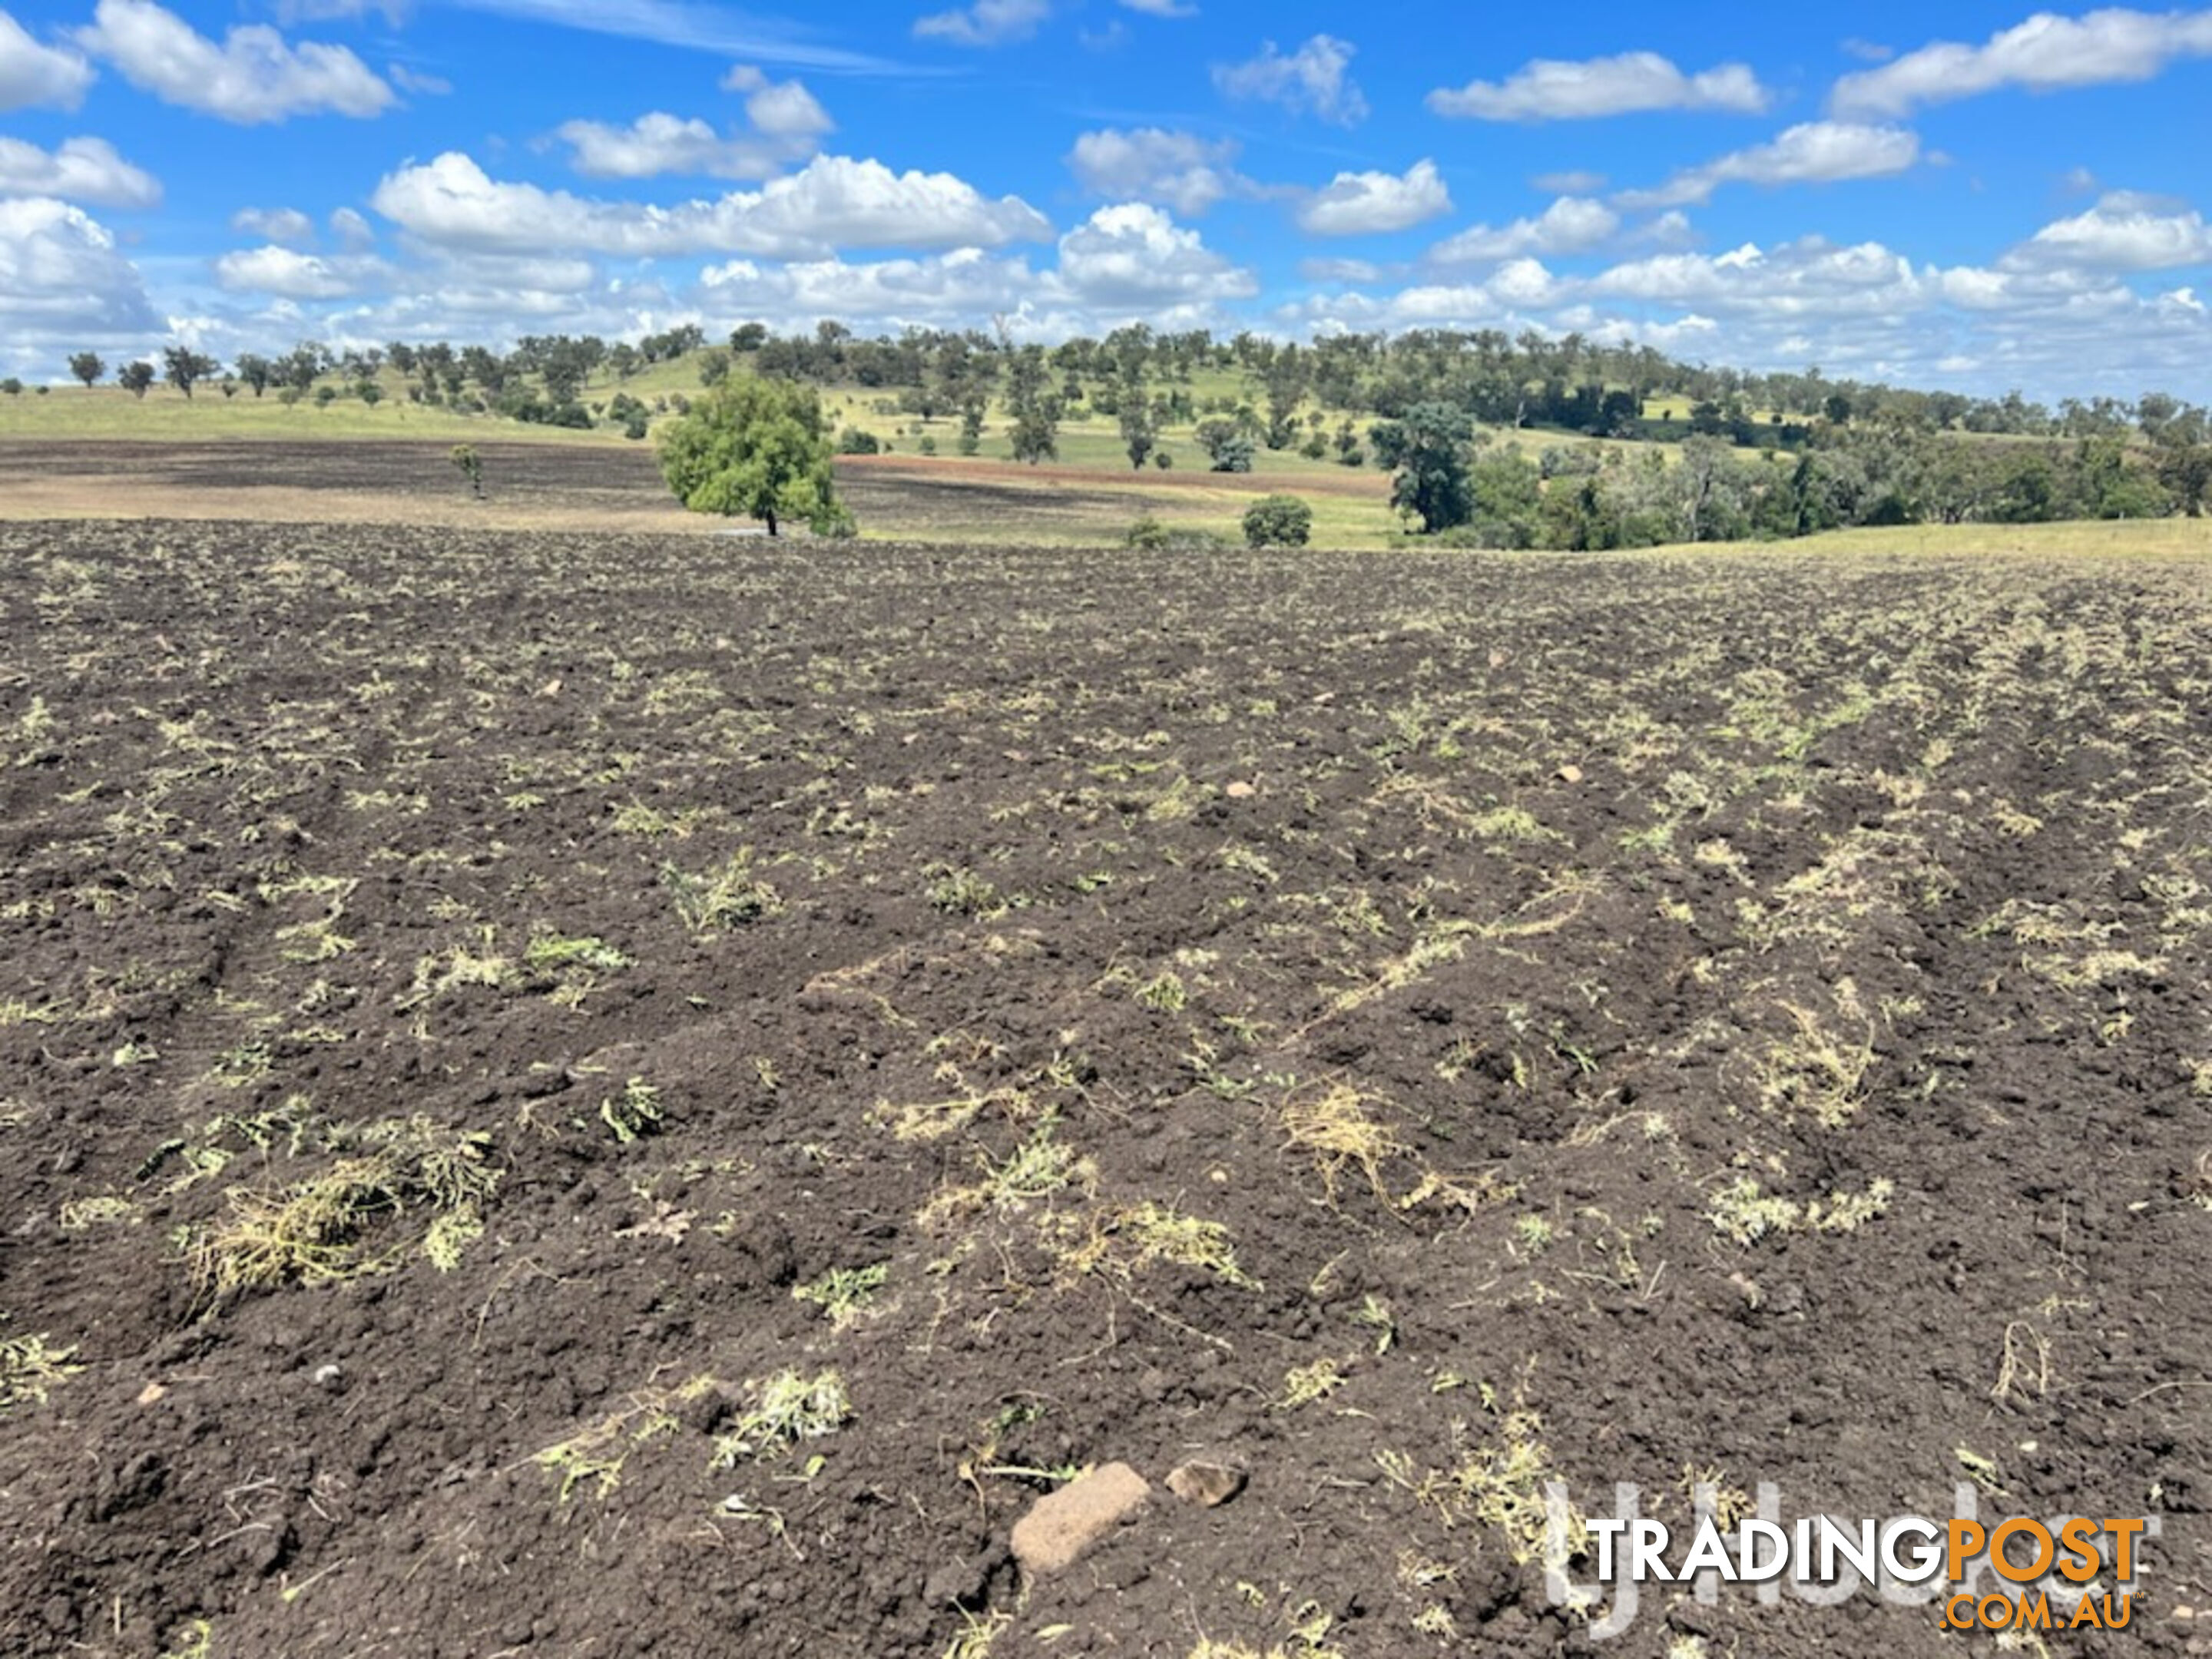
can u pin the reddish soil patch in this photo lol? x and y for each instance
(1403, 1027)
(1023, 478)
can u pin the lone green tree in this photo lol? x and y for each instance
(1429, 450)
(135, 378)
(755, 448)
(87, 367)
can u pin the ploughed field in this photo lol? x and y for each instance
(585, 1095)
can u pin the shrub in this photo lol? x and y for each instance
(1278, 521)
(1149, 535)
(854, 441)
(470, 465)
(1488, 534)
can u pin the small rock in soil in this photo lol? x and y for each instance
(1210, 1484)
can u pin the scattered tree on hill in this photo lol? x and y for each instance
(136, 378)
(87, 367)
(1285, 376)
(758, 448)
(184, 369)
(303, 364)
(1278, 521)
(485, 369)
(1140, 432)
(1227, 445)
(1429, 451)
(2186, 472)
(369, 393)
(257, 371)
(12, 386)
(1034, 408)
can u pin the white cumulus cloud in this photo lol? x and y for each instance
(1180, 169)
(1550, 90)
(2045, 53)
(833, 201)
(1311, 81)
(80, 170)
(35, 75)
(253, 77)
(1132, 255)
(1572, 224)
(295, 275)
(1808, 277)
(62, 280)
(1813, 152)
(1129, 261)
(2121, 232)
(784, 125)
(1367, 204)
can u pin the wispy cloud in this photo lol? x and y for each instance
(1310, 81)
(701, 27)
(985, 23)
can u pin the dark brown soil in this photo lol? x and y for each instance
(1460, 936)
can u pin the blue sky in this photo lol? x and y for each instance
(1978, 197)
